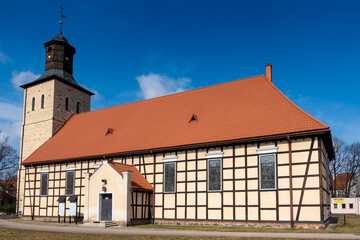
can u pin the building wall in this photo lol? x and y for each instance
(118, 186)
(345, 209)
(42, 123)
(240, 199)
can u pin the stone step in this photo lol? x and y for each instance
(100, 224)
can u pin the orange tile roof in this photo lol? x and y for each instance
(138, 182)
(241, 109)
(341, 180)
(8, 185)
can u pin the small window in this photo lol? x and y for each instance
(70, 180)
(343, 206)
(42, 101)
(67, 103)
(335, 205)
(214, 175)
(267, 172)
(169, 177)
(44, 184)
(351, 206)
(33, 104)
(78, 107)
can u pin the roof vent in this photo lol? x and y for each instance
(193, 118)
(109, 131)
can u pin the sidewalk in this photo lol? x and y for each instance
(132, 231)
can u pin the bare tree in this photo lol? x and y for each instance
(351, 166)
(337, 165)
(8, 159)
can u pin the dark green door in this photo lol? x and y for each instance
(106, 207)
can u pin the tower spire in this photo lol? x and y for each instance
(61, 18)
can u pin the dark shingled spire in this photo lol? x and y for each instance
(60, 38)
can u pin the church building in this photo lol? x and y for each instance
(236, 153)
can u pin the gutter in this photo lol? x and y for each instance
(33, 205)
(182, 147)
(290, 183)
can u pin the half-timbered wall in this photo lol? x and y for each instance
(141, 204)
(240, 199)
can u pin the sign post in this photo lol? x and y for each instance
(73, 208)
(61, 207)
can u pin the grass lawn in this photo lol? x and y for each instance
(14, 234)
(352, 226)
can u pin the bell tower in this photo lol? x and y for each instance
(53, 98)
(59, 54)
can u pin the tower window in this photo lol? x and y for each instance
(49, 49)
(42, 101)
(78, 107)
(67, 103)
(33, 104)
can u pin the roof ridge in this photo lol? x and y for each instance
(293, 104)
(172, 94)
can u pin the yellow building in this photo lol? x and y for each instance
(237, 153)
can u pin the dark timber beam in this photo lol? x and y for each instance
(305, 178)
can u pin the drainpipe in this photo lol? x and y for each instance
(33, 206)
(153, 195)
(290, 179)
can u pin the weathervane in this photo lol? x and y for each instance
(61, 18)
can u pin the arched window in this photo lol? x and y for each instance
(42, 101)
(78, 107)
(67, 103)
(33, 104)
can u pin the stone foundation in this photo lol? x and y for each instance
(245, 224)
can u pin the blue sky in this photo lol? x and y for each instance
(132, 50)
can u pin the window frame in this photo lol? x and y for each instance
(221, 174)
(41, 183)
(275, 172)
(343, 206)
(351, 206)
(77, 107)
(42, 104)
(175, 176)
(67, 103)
(33, 104)
(66, 181)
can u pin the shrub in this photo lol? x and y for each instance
(8, 209)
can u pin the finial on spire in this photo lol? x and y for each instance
(61, 18)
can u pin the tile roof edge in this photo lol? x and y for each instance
(293, 104)
(263, 137)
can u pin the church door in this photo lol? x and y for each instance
(106, 207)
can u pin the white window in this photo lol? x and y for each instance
(70, 182)
(267, 172)
(214, 175)
(170, 177)
(44, 183)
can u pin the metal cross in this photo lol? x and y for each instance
(61, 18)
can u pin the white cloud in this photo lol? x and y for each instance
(10, 122)
(155, 85)
(21, 78)
(3, 58)
(10, 112)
